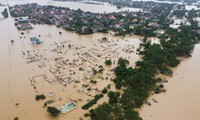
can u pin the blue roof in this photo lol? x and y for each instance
(33, 39)
(23, 20)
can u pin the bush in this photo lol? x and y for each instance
(81, 69)
(108, 62)
(97, 97)
(40, 97)
(48, 102)
(104, 91)
(108, 86)
(54, 112)
(113, 97)
(94, 71)
(101, 70)
(5, 13)
(93, 81)
(16, 118)
(92, 102)
(86, 115)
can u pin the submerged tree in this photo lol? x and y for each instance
(54, 112)
(108, 62)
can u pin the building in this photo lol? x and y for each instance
(22, 21)
(34, 40)
(23, 24)
(26, 26)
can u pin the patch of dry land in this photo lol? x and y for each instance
(61, 68)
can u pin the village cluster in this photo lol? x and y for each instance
(83, 22)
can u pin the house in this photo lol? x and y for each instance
(154, 25)
(34, 40)
(22, 21)
(26, 26)
(131, 26)
(23, 24)
(84, 29)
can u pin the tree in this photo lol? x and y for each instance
(113, 97)
(16, 118)
(131, 115)
(94, 71)
(5, 13)
(108, 62)
(40, 97)
(102, 112)
(123, 62)
(104, 91)
(54, 112)
(92, 102)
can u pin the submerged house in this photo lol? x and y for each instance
(22, 21)
(34, 40)
(23, 24)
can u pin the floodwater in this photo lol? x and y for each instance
(18, 72)
(103, 7)
(95, 8)
(181, 101)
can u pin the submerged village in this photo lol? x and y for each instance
(108, 77)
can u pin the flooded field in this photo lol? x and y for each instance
(59, 68)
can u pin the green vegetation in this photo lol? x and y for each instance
(122, 23)
(108, 86)
(186, 1)
(101, 69)
(113, 112)
(179, 13)
(86, 115)
(105, 90)
(93, 81)
(104, 39)
(108, 62)
(40, 97)
(5, 13)
(141, 81)
(48, 102)
(113, 97)
(94, 71)
(92, 102)
(16, 118)
(81, 69)
(54, 112)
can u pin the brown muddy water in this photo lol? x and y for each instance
(95, 8)
(181, 101)
(23, 62)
